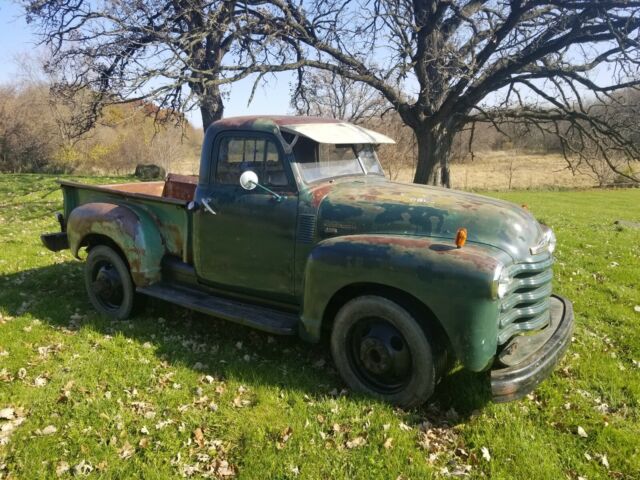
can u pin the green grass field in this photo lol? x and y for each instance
(176, 394)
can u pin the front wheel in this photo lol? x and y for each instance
(381, 350)
(109, 283)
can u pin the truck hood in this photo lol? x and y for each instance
(377, 205)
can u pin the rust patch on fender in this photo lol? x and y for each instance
(318, 193)
(84, 218)
(173, 237)
(406, 242)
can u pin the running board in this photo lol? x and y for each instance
(255, 316)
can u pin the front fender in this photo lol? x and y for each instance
(454, 283)
(133, 231)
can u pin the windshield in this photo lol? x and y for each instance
(320, 161)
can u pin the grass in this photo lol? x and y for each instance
(173, 394)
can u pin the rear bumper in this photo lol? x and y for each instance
(513, 382)
(55, 241)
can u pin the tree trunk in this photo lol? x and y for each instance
(434, 148)
(211, 106)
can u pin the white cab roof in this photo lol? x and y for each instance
(336, 133)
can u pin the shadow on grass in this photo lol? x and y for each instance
(54, 293)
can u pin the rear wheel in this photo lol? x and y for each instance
(381, 350)
(109, 283)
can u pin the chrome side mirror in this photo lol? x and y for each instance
(249, 180)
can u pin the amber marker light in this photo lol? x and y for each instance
(461, 237)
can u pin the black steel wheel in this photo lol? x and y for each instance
(109, 283)
(381, 350)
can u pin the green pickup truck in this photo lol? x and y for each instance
(292, 228)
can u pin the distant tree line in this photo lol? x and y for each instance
(39, 132)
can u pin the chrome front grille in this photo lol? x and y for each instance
(525, 306)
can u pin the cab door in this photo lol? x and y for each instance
(247, 245)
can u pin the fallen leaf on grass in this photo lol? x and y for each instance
(12, 418)
(48, 430)
(636, 309)
(160, 425)
(388, 443)
(582, 433)
(224, 469)
(126, 451)
(40, 381)
(198, 437)
(5, 376)
(356, 442)
(604, 461)
(83, 468)
(62, 468)
(240, 402)
(485, 454)
(284, 438)
(7, 413)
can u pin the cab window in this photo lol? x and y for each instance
(237, 154)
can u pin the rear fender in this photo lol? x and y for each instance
(454, 283)
(132, 230)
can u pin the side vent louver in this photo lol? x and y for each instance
(306, 228)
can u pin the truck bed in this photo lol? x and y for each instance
(165, 201)
(180, 188)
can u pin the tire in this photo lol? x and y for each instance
(108, 283)
(381, 350)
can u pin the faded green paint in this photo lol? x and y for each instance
(170, 218)
(134, 232)
(248, 246)
(374, 204)
(325, 237)
(454, 283)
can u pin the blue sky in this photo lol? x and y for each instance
(17, 39)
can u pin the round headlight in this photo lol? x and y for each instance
(501, 282)
(551, 237)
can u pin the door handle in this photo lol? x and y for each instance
(205, 202)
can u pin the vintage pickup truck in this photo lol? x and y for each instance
(291, 227)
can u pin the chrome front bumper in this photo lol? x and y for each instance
(535, 361)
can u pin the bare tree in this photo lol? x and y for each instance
(444, 63)
(327, 94)
(171, 52)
